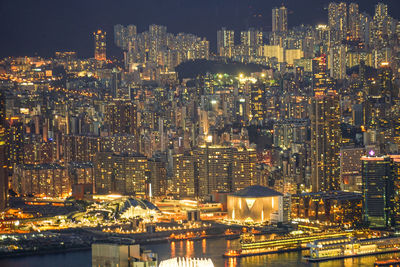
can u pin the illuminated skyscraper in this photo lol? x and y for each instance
(258, 103)
(279, 19)
(131, 174)
(243, 168)
(215, 165)
(100, 45)
(337, 61)
(225, 42)
(15, 141)
(325, 141)
(385, 79)
(123, 36)
(251, 37)
(354, 21)
(337, 13)
(3, 155)
(185, 175)
(377, 190)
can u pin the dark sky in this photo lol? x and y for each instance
(45, 26)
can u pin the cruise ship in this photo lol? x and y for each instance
(249, 246)
(347, 247)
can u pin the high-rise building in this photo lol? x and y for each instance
(100, 45)
(15, 140)
(124, 36)
(354, 21)
(45, 180)
(325, 141)
(131, 174)
(3, 154)
(123, 174)
(337, 61)
(158, 178)
(185, 175)
(337, 21)
(377, 190)
(257, 102)
(214, 169)
(350, 168)
(120, 116)
(251, 37)
(225, 42)
(244, 172)
(279, 19)
(103, 173)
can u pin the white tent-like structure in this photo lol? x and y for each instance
(187, 262)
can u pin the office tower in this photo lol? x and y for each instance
(225, 42)
(325, 141)
(377, 190)
(100, 45)
(3, 154)
(354, 21)
(279, 19)
(337, 20)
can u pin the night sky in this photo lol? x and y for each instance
(45, 26)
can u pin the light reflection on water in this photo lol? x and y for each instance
(211, 248)
(214, 248)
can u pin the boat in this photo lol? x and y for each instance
(191, 236)
(348, 247)
(249, 246)
(388, 262)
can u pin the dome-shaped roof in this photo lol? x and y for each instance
(257, 191)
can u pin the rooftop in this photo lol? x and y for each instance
(257, 191)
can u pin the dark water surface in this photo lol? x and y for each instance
(213, 248)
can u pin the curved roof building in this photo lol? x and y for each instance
(255, 204)
(130, 207)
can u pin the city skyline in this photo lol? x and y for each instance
(248, 133)
(50, 27)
